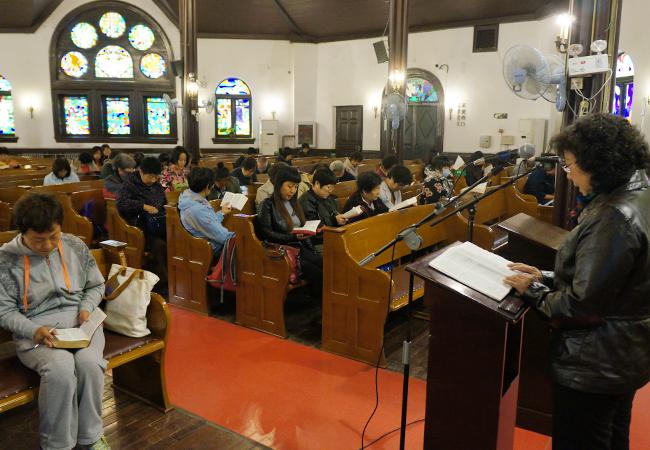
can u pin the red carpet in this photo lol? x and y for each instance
(288, 396)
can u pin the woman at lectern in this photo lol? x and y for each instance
(598, 298)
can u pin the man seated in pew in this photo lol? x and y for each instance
(223, 183)
(366, 196)
(50, 280)
(279, 215)
(123, 165)
(386, 164)
(338, 167)
(266, 190)
(262, 165)
(174, 177)
(352, 162)
(197, 215)
(389, 190)
(437, 182)
(541, 183)
(319, 204)
(142, 198)
(285, 155)
(304, 150)
(61, 173)
(246, 172)
(85, 162)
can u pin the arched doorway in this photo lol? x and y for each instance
(624, 91)
(425, 118)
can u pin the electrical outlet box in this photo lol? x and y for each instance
(507, 140)
(577, 83)
(485, 141)
(586, 65)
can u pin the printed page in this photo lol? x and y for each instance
(95, 319)
(236, 201)
(354, 212)
(477, 268)
(458, 163)
(310, 227)
(71, 335)
(405, 204)
(480, 189)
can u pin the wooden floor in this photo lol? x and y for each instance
(130, 424)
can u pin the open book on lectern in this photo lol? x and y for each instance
(476, 268)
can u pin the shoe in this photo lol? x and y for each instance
(101, 444)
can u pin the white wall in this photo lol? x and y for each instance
(28, 70)
(633, 40)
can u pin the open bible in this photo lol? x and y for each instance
(476, 268)
(80, 337)
(309, 228)
(236, 201)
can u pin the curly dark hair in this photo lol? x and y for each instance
(38, 212)
(605, 146)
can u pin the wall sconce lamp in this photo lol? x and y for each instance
(396, 78)
(375, 110)
(31, 112)
(192, 86)
(562, 39)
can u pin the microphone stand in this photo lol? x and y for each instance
(405, 233)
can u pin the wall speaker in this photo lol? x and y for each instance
(381, 52)
(177, 68)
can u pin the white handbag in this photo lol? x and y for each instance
(128, 293)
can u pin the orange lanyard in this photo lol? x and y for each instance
(66, 277)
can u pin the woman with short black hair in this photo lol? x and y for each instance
(223, 183)
(174, 176)
(366, 196)
(598, 298)
(245, 173)
(61, 173)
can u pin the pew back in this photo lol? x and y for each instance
(120, 230)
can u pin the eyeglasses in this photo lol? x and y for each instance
(566, 167)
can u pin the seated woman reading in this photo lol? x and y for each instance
(174, 177)
(49, 279)
(61, 173)
(279, 214)
(367, 197)
(197, 215)
(389, 190)
(319, 204)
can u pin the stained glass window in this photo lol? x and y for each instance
(224, 117)
(113, 62)
(74, 64)
(84, 35)
(75, 110)
(141, 37)
(233, 112)
(5, 85)
(112, 24)
(117, 115)
(7, 124)
(152, 65)
(232, 86)
(158, 116)
(419, 90)
(624, 66)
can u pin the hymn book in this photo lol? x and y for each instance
(479, 189)
(236, 201)
(476, 268)
(404, 204)
(354, 212)
(309, 228)
(79, 337)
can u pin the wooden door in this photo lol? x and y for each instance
(423, 130)
(349, 128)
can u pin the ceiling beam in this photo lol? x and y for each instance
(166, 8)
(295, 29)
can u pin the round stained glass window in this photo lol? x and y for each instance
(113, 62)
(152, 65)
(141, 37)
(74, 64)
(112, 24)
(84, 35)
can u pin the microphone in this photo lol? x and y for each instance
(525, 152)
(548, 159)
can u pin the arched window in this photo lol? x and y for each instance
(110, 66)
(420, 90)
(7, 125)
(233, 118)
(624, 89)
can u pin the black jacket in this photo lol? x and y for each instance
(347, 176)
(539, 184)
(232, 185)
(134, 194)
(318, 208)
(598, 298)
(243, 180)
(271, 226)
(356, 200)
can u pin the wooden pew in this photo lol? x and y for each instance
(8, 197)
(355, 302)
(73, 223)
(262, 281)
(137, 363)
(545, 213)
(5, 216)
(344, 189)
(120, 230)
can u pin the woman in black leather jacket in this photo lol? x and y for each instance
(598, 298)
(279, 214)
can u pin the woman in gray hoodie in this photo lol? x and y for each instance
(49, 279)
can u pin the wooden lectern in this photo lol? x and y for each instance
(473, 375)
(534, 242)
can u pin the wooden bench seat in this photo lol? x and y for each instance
(120, 230)
(137, 363)
(355, 301)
